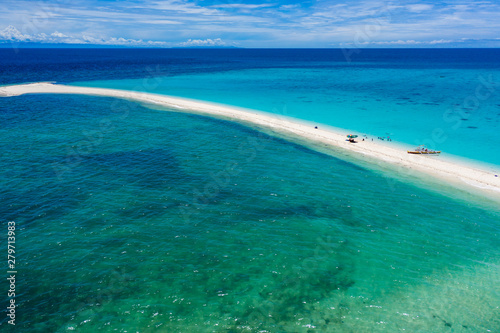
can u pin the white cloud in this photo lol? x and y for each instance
(178, 7)
(203, 42)
(288, 7)
(243, 6)
(251, 24)
(417, 8)
(442, 41)
(11, 34)
(58, 34)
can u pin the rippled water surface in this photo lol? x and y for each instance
(131, 218)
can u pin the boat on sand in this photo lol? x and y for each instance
(423, 150)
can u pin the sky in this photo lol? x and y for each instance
(264, 24)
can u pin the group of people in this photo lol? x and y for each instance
(380, 137)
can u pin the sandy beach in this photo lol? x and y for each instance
(453, 173)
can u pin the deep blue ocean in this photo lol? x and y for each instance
(450, 97)
(130, 217)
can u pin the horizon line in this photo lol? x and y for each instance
(13, 45)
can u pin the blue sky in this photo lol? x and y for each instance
(326, 23)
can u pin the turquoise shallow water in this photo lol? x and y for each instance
(135, 218)
(453, 110)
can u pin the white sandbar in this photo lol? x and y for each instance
(453, 173)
